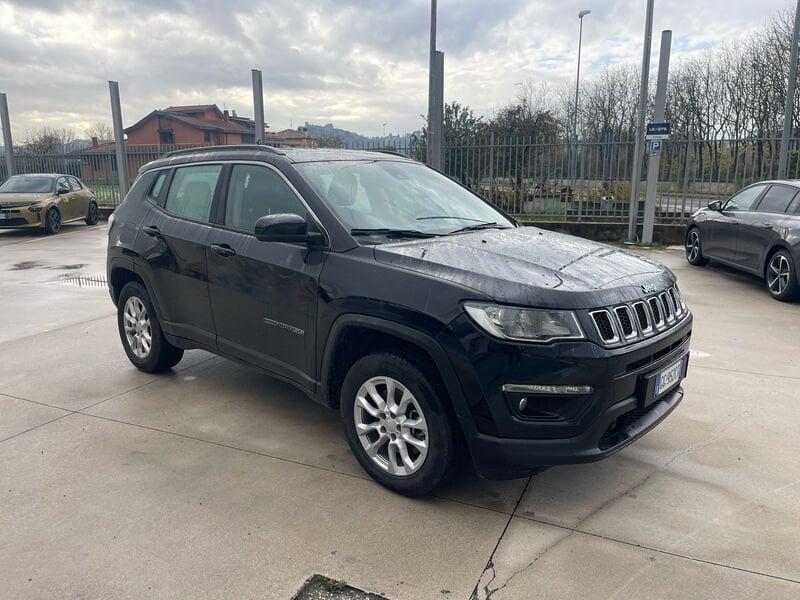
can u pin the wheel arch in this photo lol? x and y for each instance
(121, 276)
(777, 246)
(353, 336)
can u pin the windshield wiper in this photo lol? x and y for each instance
(479, 226)
(410, 233)
(448, 217)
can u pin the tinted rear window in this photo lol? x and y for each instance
(192, 190)
(777, 199)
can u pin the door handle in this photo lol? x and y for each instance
(766, 225)
(151, 230)
(223, 250)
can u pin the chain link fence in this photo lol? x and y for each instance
(532, 179)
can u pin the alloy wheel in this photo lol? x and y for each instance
(693, 246)
(138, 330)
(779, 274)
(391, 426)
(54, 221)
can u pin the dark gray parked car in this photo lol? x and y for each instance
(757, 230)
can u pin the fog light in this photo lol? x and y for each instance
(547, 390)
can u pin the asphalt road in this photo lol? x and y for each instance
(215, 481)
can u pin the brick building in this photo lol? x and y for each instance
(197, 125)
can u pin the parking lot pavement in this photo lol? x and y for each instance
(216, 481)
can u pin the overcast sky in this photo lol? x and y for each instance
(355, 63)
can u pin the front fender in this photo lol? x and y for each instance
(408, 334)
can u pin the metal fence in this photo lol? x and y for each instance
(96, 166)
(529, 178)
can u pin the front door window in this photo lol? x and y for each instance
(746, 199)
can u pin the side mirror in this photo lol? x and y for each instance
(62, 190)
(715, 205)
(288, 228)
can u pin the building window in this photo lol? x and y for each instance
(206, 136)
(248, 138)
(166, 137)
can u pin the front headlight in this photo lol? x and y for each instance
(35, 208)
(525, 324)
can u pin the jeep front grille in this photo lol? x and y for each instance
(605, 326)
(641, 319)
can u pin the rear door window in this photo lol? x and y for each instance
(777, 199)
(192, 191)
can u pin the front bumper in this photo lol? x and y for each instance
(19, 217)
(619, 426)
(506, 443)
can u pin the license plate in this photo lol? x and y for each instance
(668, 378)
(3, 216)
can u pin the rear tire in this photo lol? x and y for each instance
(52, 221)
(141, 334)
(92, 214)
(398, 425)
(694, 248)
(781, 277)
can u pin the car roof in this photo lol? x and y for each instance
(791, 182)
(51, 175)
(266, 153)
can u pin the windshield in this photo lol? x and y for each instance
(27, 185)
(383, 196)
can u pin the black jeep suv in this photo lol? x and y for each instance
(437, 326)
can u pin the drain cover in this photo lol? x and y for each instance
(83, 281)
(319, 587)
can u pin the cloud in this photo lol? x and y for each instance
(358, 63)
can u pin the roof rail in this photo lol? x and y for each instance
(251, 147)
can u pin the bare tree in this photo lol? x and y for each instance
(100, 131)
(47, 140)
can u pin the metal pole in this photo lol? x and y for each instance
(783, 163)
(655, 158)
(437, 116)
(8, 143)
(574, 161)
(491, 167)
(119, 140)
(636, 171)
(258, 106)
(432, 87)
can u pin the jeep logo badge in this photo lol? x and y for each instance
(649, 288)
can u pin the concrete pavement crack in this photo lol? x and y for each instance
(490, 562)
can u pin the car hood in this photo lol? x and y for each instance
(22, 199)
(532, 267)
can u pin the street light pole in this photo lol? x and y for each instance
(783, 163)
(636, 169)
(573, 174)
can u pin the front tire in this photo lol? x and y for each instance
(141, 334)
(52, 221)
(397, 424)
(781, 277)
(92, 214)
(694, 248)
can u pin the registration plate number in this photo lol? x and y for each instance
(668, 378)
